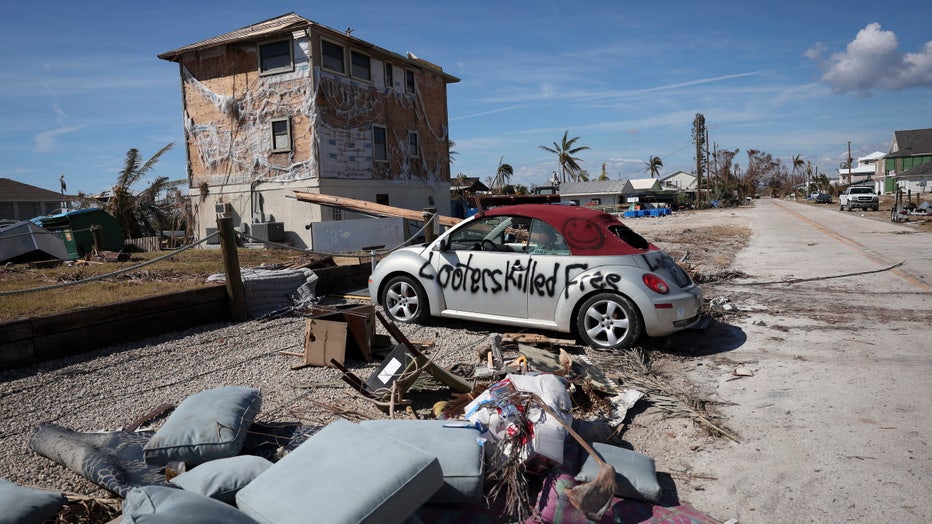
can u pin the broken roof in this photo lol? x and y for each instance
(288, 23)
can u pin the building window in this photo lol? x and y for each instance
(409, 81)
(360, 64)
(275, 57)
(389, 76)
(412, 144)
(336, 213)
(281, 135)
(381, 199)
(379, 144)
(333, 56)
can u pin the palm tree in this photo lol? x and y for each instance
(603, 176)
(653, 166)
(798, 164)
(569, 164)
(502, 175)
(450, 152)
(138, 214)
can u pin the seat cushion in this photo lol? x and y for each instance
(24, 505)
(222, 478)
(635, 473)
(454, 444)
(161, 504)
(206, 426)
(343, 473)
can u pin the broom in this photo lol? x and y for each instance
(593, 498)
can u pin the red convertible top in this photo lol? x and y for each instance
(588, 232)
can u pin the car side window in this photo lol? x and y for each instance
(544, 239)
(494, 234)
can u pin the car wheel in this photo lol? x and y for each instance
(405, 301)
(841, 207)
(608, 321)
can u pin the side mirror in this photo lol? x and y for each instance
(443, 245)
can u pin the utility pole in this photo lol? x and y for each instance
(850, 160)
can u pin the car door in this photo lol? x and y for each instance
(546, 270)
(483, 269)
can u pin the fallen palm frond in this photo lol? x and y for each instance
(82, 509)
(634, 371)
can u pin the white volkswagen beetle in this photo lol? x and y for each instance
(560, 268)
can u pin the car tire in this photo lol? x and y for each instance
(608, 321)
(404, 300)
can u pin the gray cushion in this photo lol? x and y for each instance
(455, 445)
(160, 504)
(635, 473)
(23, 505)
(344, 473)
(206, 426)
(222, 478)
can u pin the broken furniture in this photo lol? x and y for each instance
(334, 333)
(344, 473)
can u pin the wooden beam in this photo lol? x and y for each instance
(370, 207)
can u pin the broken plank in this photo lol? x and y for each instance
(534, 338)
(370, 207)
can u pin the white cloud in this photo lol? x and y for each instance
(45, 141)
(873, 61)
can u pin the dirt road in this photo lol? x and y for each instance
(834, 423)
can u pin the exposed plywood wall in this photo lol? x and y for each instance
(229, 108)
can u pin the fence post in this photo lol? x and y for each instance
(430, 217)
(235, 293)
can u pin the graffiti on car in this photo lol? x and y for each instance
(530, 278)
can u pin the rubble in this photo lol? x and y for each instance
(532, 434)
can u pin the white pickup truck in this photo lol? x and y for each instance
(858, 197)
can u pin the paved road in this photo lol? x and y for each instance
(835, 423)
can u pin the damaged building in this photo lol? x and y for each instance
(290, 105)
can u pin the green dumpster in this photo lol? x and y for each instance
(78, 228)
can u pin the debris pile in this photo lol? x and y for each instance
(528, 433)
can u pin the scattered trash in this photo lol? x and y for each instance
(522, 423)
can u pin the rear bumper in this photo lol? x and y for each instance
(670, 314)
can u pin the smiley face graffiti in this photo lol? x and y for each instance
(583, 234)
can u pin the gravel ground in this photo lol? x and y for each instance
(108, 389)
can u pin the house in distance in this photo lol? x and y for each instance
(290, 105)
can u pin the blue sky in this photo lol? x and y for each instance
(81, 83)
